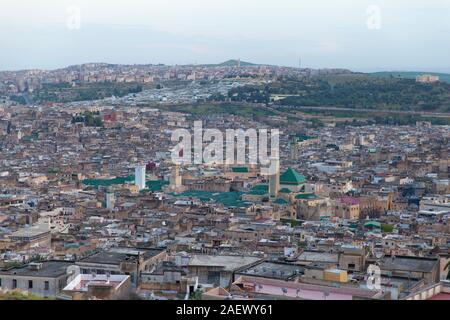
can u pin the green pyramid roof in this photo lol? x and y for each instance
(292, 177)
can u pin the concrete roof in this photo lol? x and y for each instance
(229, 263)
(118, 255)
(412, 264)
(317, 256)
(32, 231)
(49, 269)
(272, 270)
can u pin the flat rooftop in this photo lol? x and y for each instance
(272, 270)
(82, 282)
(118, 255)
(317, 256)
(229, 263)
(412, 264)
(48, 269)
(33, 231)
(303, 291)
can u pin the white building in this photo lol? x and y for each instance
(110, 201)
(140, 177)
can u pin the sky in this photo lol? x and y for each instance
(362, 35)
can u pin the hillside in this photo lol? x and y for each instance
(445, 77)
(354, 91)
(230, 63)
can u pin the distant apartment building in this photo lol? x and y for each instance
(427, 78)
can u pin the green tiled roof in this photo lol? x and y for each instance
(372, 224)
(280, 201)
(302, 137)
(285, 190)
(156, 185)
(259, 189)
(108, 182)
(240, 170)
(153, 185)
(292, 177)
(228, 199)
(306, 196)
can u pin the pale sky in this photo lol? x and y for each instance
(357, 34)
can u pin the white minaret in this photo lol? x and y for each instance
(139, 174)
(274, 179)
(110, 201)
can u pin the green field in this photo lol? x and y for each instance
(219, 109)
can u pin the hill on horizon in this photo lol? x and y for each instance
(231, 63)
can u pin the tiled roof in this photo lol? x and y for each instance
(280, 201)
(306, 196)
(240, 170)
(292, 177)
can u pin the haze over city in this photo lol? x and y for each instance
(323, 33)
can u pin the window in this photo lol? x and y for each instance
(0, 282)
(14, 284)
(351, 266)
(46, 285)
(30, 284)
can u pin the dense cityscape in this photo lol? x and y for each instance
(227, 158)
(93, 207)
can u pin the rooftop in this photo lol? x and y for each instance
(411, 264)
(292, 177)
(118, 255)
(82, 282)
(48, 269)
(272, 270)
(229, 263)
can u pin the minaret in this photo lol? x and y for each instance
(110, 200)
(139, 179)
(175, 179)
(274, 179)
(294, 150)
